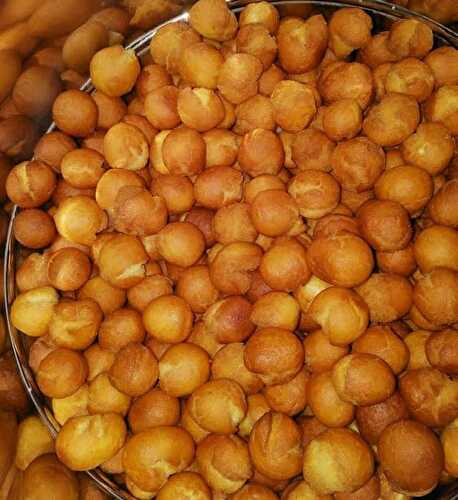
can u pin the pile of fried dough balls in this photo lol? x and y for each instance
(242, 276)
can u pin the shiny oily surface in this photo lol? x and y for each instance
(262, 256)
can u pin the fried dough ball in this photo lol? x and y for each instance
(261, 183)
(416, 466)
(257, 407)
(302, 43)
(238, 77)
(291, 397)
(34, 228)
(201, 65)
(176, 191)
(135, 370)
(408, 185)
(436, 246)
(119, 328)
(68, 269)
(184, 485)
(342, 119)
(61, 373)
(183, 368)
(372, 420)
(194, 285)
(430, 396)
(363, 379)
(311, 150)
(111, 110)
(161, 107)
(122, 261)
(388, 296)
(274, 213)
(218, 186)
(342, 80)
(274, 354)
(218, 406)
(269, 79)
(35, 90)
(233, 223)
(213, 20)
(335, 223)
(228, 364)
(114, 70)
(180, 243)
(385, 225)
(298, 490)
(104, 397)
(261, 152)
(341, 313)
(151, 456)
(410, 77)
(75, 323)
(183, 151)
(78, 219)
(224, 462)
(52, 148)
(221, 147)
(99, 360)
(320, 354)
(410, 38)
(168, 45)
(384, 343)
(30, 184)
(431, 148)
(125, 146)
(137, 212)
(441, 206)
(275, 446)
(106, 295)
(82, 168)
(342, 259)
(316, 193)
(441, 107)
(294, 105)
(442, 62)
(276, 309)
(152, 77)
(448, 440)
(199, 108)
(168, 319)
(32, 439)
(229, 319)
(337, 460)
(376, 52)
(231, 271)
(255, 112)
(325, 403)
(441, 350)
(33, 272)
(32, 310)
(436, 296)
(44, 471)
(416, 343)
(349, 29)
(255, 39)
(75, 113)
(357, 164)
(284, 266)
(110, 184)
(393, 120)
(153, 409)
(262, 13)
(84, 442)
